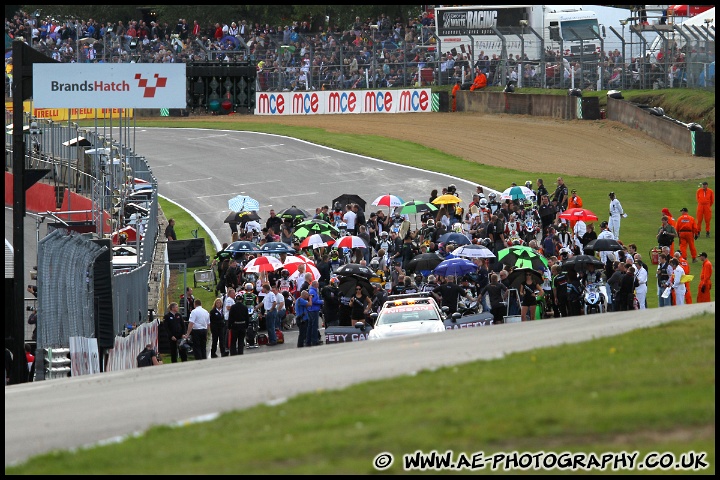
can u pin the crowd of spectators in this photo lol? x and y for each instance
(370, 53)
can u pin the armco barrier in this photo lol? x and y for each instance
(667, 131)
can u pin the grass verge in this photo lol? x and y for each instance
(647, 390)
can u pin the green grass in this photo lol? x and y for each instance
(647, 390)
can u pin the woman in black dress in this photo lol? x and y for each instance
(217, 328)
(529, 291)
(360, 305)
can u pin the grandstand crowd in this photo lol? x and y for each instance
(369, 53)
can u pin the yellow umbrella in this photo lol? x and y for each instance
(446, 199)
(686, 278)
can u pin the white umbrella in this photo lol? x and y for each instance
(263, 264)
(473, 251)
(295, 274)
(350, 241)
(507, 194)
(241, 203)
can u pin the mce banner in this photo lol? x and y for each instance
(343, 101)
(109, 85)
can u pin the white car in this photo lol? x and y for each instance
(408, 316)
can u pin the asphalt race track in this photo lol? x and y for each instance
(201, 170)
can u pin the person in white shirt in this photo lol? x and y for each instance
(270, 304)
(676, 284)
(616, 212)
(228, 302)
(642, 276)
(605, 233)
(579, 231)
(349, 219)
(197, 327)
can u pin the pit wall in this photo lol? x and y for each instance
(567, 107)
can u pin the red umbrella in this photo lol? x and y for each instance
(317, 240)
(350, 241)
(263, 264)
(575, 214)
(388, 201)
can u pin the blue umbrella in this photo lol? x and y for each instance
(454, 237)
(241, 203)
(455, 266)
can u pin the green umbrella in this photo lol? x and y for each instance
(519, 256)
(311, 227)
(415, 207)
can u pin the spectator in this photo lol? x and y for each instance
(170, 230)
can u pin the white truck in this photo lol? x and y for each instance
(472, 29)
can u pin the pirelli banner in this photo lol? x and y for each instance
(412, 100)
(72, 114)
(109, 85)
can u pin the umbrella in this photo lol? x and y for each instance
(519, 256)
(473, 251)
(346, 198)
(299, 259)
(446, 199)
(293, 213)
(276, 247)
(347, 286)
(604, 245)
(317, 240)
(454, 237)
(310, 227)
(516, 193)
(354, 270)
(415, 207)
(517, 277)
(388, 201)
(350, 241)
(455, 266)
(293, 261)
(295, 273)
(576, 214)
(242, 246)
(423, 262)
(263, 264)
(241, 217)
(579, 262)
(243, 202)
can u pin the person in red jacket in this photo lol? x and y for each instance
(705, 285)
(687, 231)
(705, 199)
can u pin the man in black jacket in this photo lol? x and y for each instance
(175, 327)
(238, 319)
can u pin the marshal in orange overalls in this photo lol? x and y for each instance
(703, 295)
(705, 200)
(686, 228)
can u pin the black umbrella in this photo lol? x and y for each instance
(346, 198)
(294, 213)
(241, 217)
(423, 261)
(242, 246)
(347, 286)
(604, 245)
(580, 262)
(355, 270)
(276, 247)
(517, 276)
(454, 237)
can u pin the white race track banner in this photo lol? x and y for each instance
(109, 85)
